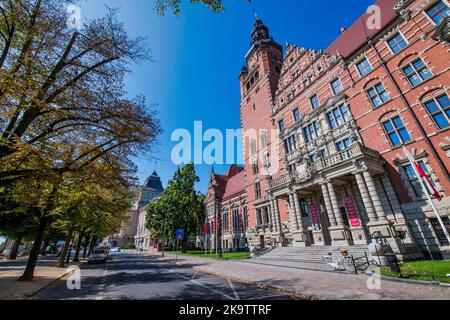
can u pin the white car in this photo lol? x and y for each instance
(116, 250)
(98, 256)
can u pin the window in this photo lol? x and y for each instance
(417, 72)
(343, 145)
(297, 115)
(258, 190)
(266, 218)
(312, 131)
(438, 12)
(439, 109)
(236, 219)
(304, 208)
(281, 125)
(315, 103)
(442, 238)
(364, 67)
(225, 221)
(324, 153)
(245, 218)
(338, 116)
(255, 168)
(253, 147)
(397, 43)
(290, 144)
(258, 217)
(336, 85)
(263, 138)
(396, 131)
(378, 95)
(312, 158)
(414, 180)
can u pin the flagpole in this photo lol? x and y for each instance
(436, 212)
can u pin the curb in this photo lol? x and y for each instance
(403, 280)
(260, 285)
(28, 296)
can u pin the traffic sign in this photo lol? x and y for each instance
(180, 234)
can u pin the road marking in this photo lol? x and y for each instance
(234, 291)
(200, 284)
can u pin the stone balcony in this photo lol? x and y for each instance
(356, 151)
(307, 172)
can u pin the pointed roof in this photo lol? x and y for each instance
(230, 183)
(154, 182)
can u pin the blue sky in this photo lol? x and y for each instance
(198, 56)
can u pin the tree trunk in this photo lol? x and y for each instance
(62, 257)
(15, 250)
(86, 244)
(28, 274)
(91, 247)
(43, 253)
(77, 252)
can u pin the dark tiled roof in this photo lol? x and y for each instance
(352, 39)
(154, 182)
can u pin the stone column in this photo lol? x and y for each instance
(366, 197)
(328, 206)
(374, 195)
(274, 219)
(277, 215)
(298, 212)
(293, 214)
(335, 205)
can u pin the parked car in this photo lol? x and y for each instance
(98, 256)
(116, 250)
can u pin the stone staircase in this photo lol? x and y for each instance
(307, 257)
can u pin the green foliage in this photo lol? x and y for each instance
(175, 5)
(129, 246)
(180, 207)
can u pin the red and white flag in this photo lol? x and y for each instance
(420, 173)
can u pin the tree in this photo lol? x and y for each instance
(16, 222)
(175, 5)
(65, 120)
(180, 207)
(62, 102)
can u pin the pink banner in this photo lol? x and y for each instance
(314, 214)
(351, 211)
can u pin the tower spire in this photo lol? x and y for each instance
(256, 15)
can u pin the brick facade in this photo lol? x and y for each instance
(343, 178)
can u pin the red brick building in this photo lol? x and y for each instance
(335, 173)
(226, 212)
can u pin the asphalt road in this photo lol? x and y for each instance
(134, 277)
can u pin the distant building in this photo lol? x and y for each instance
(133, 229)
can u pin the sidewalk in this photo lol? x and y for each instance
(314, 284)
(11, 289)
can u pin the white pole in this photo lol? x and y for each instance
(441, 222)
